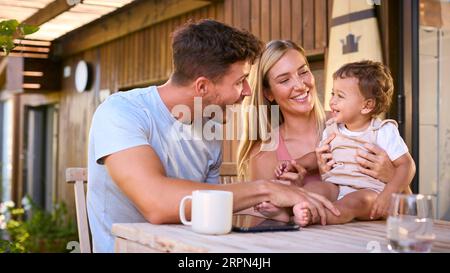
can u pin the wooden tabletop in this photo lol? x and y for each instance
(352, 237)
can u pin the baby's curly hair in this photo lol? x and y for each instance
(374, 80)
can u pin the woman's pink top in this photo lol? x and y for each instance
(282, 152)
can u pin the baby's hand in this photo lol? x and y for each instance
(279, 170)
(287, 167)
(291, 171)
(381, 206)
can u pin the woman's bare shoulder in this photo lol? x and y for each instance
(257, 155)
(255, 149)
(262, 163)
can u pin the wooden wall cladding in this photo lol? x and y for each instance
(143, 57)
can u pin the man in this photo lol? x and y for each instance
(140, 167)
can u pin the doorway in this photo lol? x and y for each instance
(40, 150)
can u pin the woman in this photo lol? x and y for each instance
(282, 78)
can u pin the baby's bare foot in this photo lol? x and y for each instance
(302, 215)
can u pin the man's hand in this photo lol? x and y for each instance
(290, 195)
(273, 212)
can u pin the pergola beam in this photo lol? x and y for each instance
(49, 12)
(123, 22)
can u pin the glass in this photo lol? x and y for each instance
(410, 223)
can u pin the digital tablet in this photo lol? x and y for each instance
(251, 223)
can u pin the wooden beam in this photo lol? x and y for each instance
(49, 12)
(3, 64)
(127, 20)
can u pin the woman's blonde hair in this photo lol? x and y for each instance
(258, 81)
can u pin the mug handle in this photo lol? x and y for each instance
(181, 212)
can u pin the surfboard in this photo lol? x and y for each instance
(354, 36)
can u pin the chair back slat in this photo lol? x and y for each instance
(78, 176)
(228, 173)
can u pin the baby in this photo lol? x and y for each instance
(361, 92)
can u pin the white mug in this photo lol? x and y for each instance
(211, 211)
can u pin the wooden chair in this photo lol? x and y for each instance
(228, 173)
(78, 176)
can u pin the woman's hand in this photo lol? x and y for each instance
(324, 156)
(381, 206)
(375, 163)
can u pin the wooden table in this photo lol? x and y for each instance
(352, 237)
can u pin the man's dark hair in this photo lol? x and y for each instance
(208, 48)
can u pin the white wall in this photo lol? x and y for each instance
(434, 117)
(428, 115)
(444, 126)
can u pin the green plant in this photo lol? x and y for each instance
(12, 29)
(41, 231)
(16, 231)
